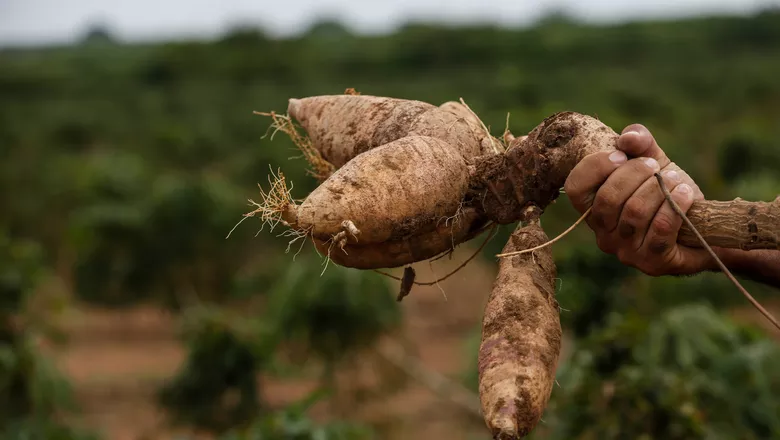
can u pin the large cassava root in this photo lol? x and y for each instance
(395, 193)
(364, 215)
(388, 193)
(343, 126)
(521, 338)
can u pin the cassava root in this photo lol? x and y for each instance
(521, 338)
(343, 126)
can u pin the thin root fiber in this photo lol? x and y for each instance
(273, 204)
(320, 168)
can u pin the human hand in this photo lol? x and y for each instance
(630, 216)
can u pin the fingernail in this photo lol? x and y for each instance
(651, 163)
(632, 132)
(618, 157)
(672, 176)
(684, 189)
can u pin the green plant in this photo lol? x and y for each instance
(217, 387)
(689, 374)
(292, 423)
(33, 395)
(332, 313)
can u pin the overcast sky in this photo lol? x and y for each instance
(45, 21)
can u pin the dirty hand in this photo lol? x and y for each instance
(630, 216)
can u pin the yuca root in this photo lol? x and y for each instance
(392, 192)
(394, 205)
(490, 145)
(343, 126)
(521, 338)
(533, 170)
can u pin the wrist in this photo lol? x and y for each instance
(758, 264)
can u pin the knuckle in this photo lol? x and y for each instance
(626, 230)
(663, 224)
(577, 192)
(606, 199)
(658, 245)
(596, 220)
(634, 210)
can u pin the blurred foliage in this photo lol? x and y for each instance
(327, 316)
(128, 165)
(688, 374)
(292, 423)
(32, 393)
(334, 313)
(217, 387)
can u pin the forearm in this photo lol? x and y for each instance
(758, 265)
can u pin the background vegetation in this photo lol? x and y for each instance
(123, 167)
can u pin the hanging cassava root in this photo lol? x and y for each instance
(521, 337)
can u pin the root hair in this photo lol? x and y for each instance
(320, 168)
(273, 203)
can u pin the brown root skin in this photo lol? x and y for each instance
(533, 170)
(734, 224)
(344, 126)
(392, 192)
(396, 253)
(521, 338)
(461, 111)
